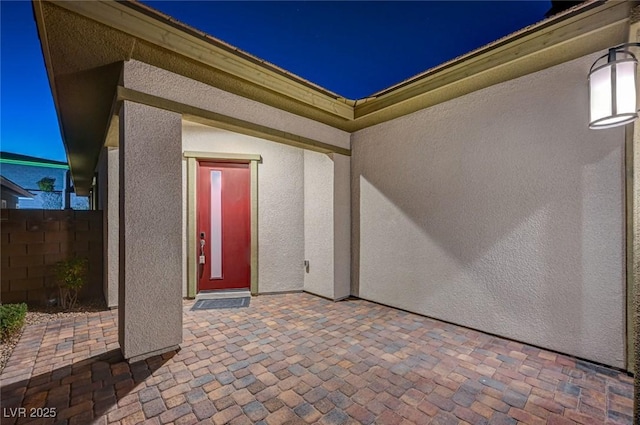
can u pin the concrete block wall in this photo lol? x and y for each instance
(34, 240)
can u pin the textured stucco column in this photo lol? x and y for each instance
(150, 297)
(327, 222)
(111, 229)
(342, 225)
(633, 232)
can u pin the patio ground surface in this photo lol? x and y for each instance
(297, 358)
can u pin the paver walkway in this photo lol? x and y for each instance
(297, 358)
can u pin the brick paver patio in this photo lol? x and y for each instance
(297, 358)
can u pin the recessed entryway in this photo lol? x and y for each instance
(222, 251)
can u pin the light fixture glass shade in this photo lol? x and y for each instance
(612, 92)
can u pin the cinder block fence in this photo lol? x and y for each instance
(34, 240)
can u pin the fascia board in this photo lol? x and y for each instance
(123, 17)
(502, 52)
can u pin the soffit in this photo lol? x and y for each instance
(85, 104)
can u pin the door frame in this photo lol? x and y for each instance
(193, 159)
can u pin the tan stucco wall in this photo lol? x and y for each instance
(303, 211)
(500, 211)
(327, 224)
(159, 82)
(342, 225)
(318, 223)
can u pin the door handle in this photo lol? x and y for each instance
(202, 258)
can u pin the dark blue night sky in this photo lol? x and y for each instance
(351, 48)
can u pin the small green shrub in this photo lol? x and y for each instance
(71, 276)
(11, 319)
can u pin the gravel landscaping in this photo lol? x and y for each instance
(36, 315)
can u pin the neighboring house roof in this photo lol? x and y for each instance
(12, 188)
(15, 158)
(84, 43)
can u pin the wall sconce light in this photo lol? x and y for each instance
(612, 88)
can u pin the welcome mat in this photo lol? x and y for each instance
(221, 303)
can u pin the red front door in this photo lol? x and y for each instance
(224, 226)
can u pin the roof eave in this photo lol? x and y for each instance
(582, 30)
(585, 29)
(11, 187)
(145, 23)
